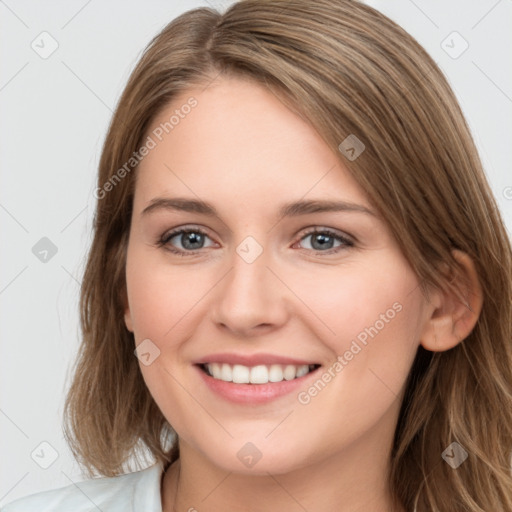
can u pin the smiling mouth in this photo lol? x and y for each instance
(260, 374)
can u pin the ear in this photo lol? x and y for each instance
(127, 313)
(455, 309)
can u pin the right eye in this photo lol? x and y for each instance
(190, 239)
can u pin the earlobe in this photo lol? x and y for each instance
(456, 308)
(127, 313)
(128, 319)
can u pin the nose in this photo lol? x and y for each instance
(251, 299)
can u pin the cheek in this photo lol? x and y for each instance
(370, 321)
(372, 357)
(359, 302)
(159, 295)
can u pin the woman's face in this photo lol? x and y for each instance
(254, 294)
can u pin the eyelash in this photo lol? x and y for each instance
(163, 242)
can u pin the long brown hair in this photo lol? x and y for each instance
(348, 70)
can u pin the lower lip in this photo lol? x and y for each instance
(253, 393)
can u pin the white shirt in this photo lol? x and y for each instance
(132, 492)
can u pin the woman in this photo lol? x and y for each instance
(295, 238)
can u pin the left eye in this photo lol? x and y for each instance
(192, 240)
(323, 239)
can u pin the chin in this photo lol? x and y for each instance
(258, 458)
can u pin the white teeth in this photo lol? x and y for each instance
(275, 373)
(260, 374)
(302, 370)
(241, 374)
(226, 373)
(289, 372)
(215, 370)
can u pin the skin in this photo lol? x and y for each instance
(243, 151)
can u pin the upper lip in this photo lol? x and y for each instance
(252, 359)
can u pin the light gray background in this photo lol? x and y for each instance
(55, 113)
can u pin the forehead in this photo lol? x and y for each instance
(239, 143)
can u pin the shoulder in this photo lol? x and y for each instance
(137, 492)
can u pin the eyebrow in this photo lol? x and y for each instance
(292, 209)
